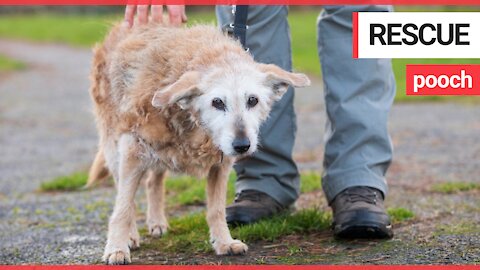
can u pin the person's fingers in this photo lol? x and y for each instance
(157, 13)
(142, 14)
(176, 14)
(130, 15)
(184, 17)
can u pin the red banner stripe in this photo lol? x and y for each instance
(355, 34)
(243, 2)
(245, 267)
(443, 80)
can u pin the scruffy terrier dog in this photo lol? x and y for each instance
(187, 100)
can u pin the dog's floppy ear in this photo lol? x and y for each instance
(180, 92)
(279, 80)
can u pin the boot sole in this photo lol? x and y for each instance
(370, 230)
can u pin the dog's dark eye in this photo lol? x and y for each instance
(218, 104)
(252, 101)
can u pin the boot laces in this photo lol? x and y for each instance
(361, 194)
(247, 195)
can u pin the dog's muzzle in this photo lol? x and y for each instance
(241, 145)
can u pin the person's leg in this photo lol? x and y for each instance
(358, 97)
(271, 169)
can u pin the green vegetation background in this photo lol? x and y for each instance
(85, 30)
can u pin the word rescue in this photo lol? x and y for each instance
(416, 35)
(443, 80)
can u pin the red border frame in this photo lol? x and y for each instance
(244, 2)
(355, 35)
(244, 267)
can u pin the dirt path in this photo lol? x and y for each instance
(47, 130)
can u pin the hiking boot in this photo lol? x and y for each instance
(250, 206)
(358, 212)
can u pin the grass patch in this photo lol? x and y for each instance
(310, 181)
(186, 233)
(303, 29)
(8, 64)
(190, 233)
(457, 229)
(455, 187)
(71, 182)
(187, 190)
(181, 190)
(303, 221)
(400, 214)
(75, 30)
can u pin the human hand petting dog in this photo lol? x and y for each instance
(176, 14)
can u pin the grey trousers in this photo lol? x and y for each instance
(358, 97)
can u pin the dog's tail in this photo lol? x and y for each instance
(98, 171)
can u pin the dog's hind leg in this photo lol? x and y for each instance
(156, 219)
(220, 237)
(129, 175)
(134, 235)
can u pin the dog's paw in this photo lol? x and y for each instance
(117, 257)
(134, 242)
(157, 230)
(235, 247)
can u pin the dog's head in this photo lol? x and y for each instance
(231, 102)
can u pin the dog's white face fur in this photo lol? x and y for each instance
(231, 103)
(233, 106)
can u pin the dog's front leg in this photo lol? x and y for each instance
(130, 172)
(220, 237)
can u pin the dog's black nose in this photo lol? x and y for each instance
(241, 145)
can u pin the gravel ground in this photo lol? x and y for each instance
(47, 130)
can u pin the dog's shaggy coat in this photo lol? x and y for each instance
(176, 99)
